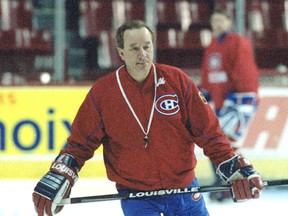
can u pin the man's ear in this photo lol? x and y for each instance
(120, 52)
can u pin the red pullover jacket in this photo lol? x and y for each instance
(229, 66)
(181, 118)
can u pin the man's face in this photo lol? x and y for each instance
(220, 24)
(137, 52)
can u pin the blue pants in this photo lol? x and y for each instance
(170, 205)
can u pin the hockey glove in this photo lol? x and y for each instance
(245, 182)
(55, 185)
(236, 114)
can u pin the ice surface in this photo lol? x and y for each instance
(16, 200)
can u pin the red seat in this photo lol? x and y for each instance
(192, 39)
(41, 40)
(167, 16)
(281, 38)
(108, 54)
(257, 19)
(201, 12)
(269, 39)
(25, 14)
(270, 47)
(16, 14)
(7, 40)
(135, 9)
(15, 39)
(276, 13)
(108, 58)
(26, 39)
(262, 40)
(115, 58)
(95, 16)
(269, 14)
(193, 14)
(127, 9)
(169, 39)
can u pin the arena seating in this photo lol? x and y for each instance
(200, 14)
(20, 44)
(267, 31)
(26, 39)
(180, 25)
(183, 49)
(16, 14)
(95, 16)
(135, 9)
(271, 47)
(179, 29)
(166, 15)
(269, 13)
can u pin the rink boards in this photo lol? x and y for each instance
(35, 123)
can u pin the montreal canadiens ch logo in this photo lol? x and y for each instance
(196, 196)
(167, 104)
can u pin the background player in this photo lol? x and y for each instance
(229, 80)
(148, 118)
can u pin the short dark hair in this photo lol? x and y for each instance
(130, 24)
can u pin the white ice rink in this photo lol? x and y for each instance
(16, 200)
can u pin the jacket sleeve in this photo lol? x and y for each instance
(204, 127)
(87, 131)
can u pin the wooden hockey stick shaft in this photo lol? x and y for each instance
(145, 194)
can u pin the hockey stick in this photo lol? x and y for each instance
(145, 194)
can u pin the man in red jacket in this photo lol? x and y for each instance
(229, 81)
(148, 117)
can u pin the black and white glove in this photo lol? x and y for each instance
(236, 114)
(245, 182)
(55, 185)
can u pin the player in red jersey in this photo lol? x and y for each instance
(229, 80)
(148, 117)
